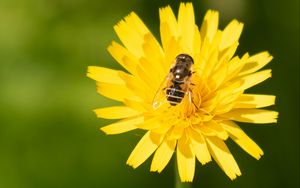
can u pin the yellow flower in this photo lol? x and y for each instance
(219, 83)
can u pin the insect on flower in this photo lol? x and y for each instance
(177, 83)
(187, 92)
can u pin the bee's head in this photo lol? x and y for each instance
(185, 59)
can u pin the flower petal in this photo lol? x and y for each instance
(115, 91)
(172, 50)
(210, 25)
(131, 32)
(162, 129)
(256, 62)
(254, 101)
(146, 146)
(226, 101)
(123, 57)
(122, 126)
(176, 132)
(186, 25)
(137, 87)
(147, 70)
(105, 75)
(235, 65)
(196, 43)
(137, 105)
(116, 112)
(163, 155)
(252, 116)
(238, 135)
(253, 79)
(168, 25)
(185, 160)
(216, 79)
(231, 34)
(223, 157)
(145, 76)
(199, 146)
(210, 63)
(216, 128)
(154, 55)
(150, 124)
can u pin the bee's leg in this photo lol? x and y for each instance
(190, 97)
(195, 105)
(192, 84)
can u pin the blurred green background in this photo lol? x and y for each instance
(49, 136)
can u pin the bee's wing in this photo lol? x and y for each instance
(160, 96)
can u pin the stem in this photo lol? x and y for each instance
(178, 183)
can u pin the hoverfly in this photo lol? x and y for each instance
(176, 84)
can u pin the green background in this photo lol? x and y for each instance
(49, 136)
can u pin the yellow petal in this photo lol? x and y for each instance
(150, 124)
(115, 91)
(199, 146)
(211, 62)
(145, 76)
(185, 160)
(105, 75)
(216, 41)
(146, 146)
(238, 135)
(202, 58)
(176, 132)
(172, 50)
(205, 130)
(137, 105)
(154, 55)
(252, 115)
(256, 62)
(122, 126)
(235, 65)
(210, 25)
(217, 129)
(148, 71)
(217, 78)
(226, 100)
(224, 108)
(131, 32)
(208, 106)
(163, 155)
(228, 94)
(116, 112)
(254, 101)
(123, 57)
(162, 129)
(223, 157)
(137, 87)
(168, 25)
(253, 79)
(196, 42)
(186, 25)
(231, 34)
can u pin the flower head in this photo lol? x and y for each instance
(196, 130)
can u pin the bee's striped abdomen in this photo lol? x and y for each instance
(174, 94)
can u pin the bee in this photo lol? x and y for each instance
(176, 84)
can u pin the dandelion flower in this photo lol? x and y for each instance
(219, 82)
